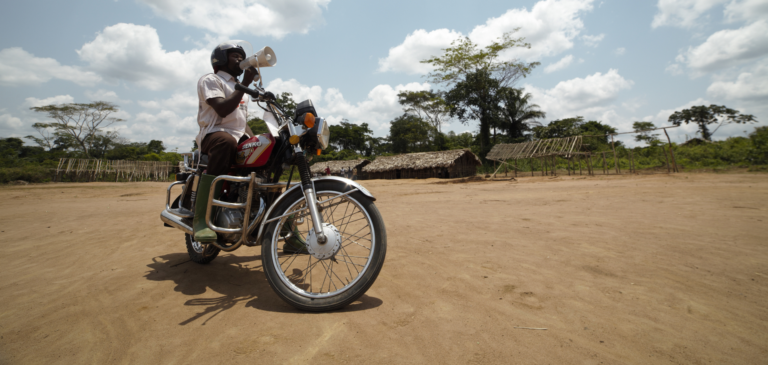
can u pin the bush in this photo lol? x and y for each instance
(33, 174)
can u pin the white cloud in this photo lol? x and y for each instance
(377, 110)
(620, 51)
(180, 102)
(419, 45)
(749, 10)
(275, 18)
(682, 13)
(592, 40)
(550, 26)
(559, 65)
(9, 122)
(19, 67)
(588, 97)
(727, 48)
(53, 100)
(749, 86)
(105, 95)
(133, 53)
(299, 92)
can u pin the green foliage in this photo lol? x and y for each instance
(409, 133)
(286, 101)
(475, 75)
(759, 153)
(351, 136)
(559, 128)
(465, 57)
(428, 105)
(80, 125)
(644, 134)
(706, 115)
(517, 115)
(258, 126)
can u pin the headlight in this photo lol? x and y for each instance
(323, 132)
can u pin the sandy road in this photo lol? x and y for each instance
(651, 269)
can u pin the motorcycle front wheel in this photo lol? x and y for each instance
(322, 277)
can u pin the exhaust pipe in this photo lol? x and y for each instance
(175, 222)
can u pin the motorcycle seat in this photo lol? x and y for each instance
(203, 158)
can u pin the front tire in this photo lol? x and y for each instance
(314, 281)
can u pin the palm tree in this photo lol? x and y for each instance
(518, 115)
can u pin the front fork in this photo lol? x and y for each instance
(310, 195)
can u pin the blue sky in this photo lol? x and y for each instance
(613, 61)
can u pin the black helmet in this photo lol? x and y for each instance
(221, 52)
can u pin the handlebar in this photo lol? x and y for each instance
(255, 94)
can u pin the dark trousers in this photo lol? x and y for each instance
(221, 149)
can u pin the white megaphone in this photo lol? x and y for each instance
(263, 58)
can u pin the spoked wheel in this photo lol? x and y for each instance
(200, 253)
(319, 277)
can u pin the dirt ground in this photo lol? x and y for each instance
(633, 269)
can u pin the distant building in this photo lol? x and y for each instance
(422, 165)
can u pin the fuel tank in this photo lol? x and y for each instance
(255, 151)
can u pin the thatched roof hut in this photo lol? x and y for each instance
(453, 163)
(336, 166)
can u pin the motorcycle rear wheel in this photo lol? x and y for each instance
(327, 283)
(199, 253)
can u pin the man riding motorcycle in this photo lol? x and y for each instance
(222, 116)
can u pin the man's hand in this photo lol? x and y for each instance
(250, 74)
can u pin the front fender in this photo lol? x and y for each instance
(279, 200)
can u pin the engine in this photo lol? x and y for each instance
(233, 218)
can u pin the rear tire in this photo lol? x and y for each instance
(201, 253)
(310, 283)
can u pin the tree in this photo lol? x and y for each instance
(644, 134)
(350, 136)
(257, 125)
(409, 133)
(478, 73)
(286, 101)
(759, 152)
(428, 105)
(518, 115)
(475, 98)
(155, 146)
(560, 128)
(46, 139)
(81, 122)
(706, 115)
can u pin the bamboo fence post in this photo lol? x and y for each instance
(671, 151)
(605, 165)
(531, 163)
(515, 168)
(666, 157)
(579, 165)
(615, 162)
(554, 165)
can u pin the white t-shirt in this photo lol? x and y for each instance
(219, 85)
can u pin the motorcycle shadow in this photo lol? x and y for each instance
(236, 278)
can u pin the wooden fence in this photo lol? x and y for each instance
(105, 170)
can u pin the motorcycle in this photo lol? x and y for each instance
(323, 241)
